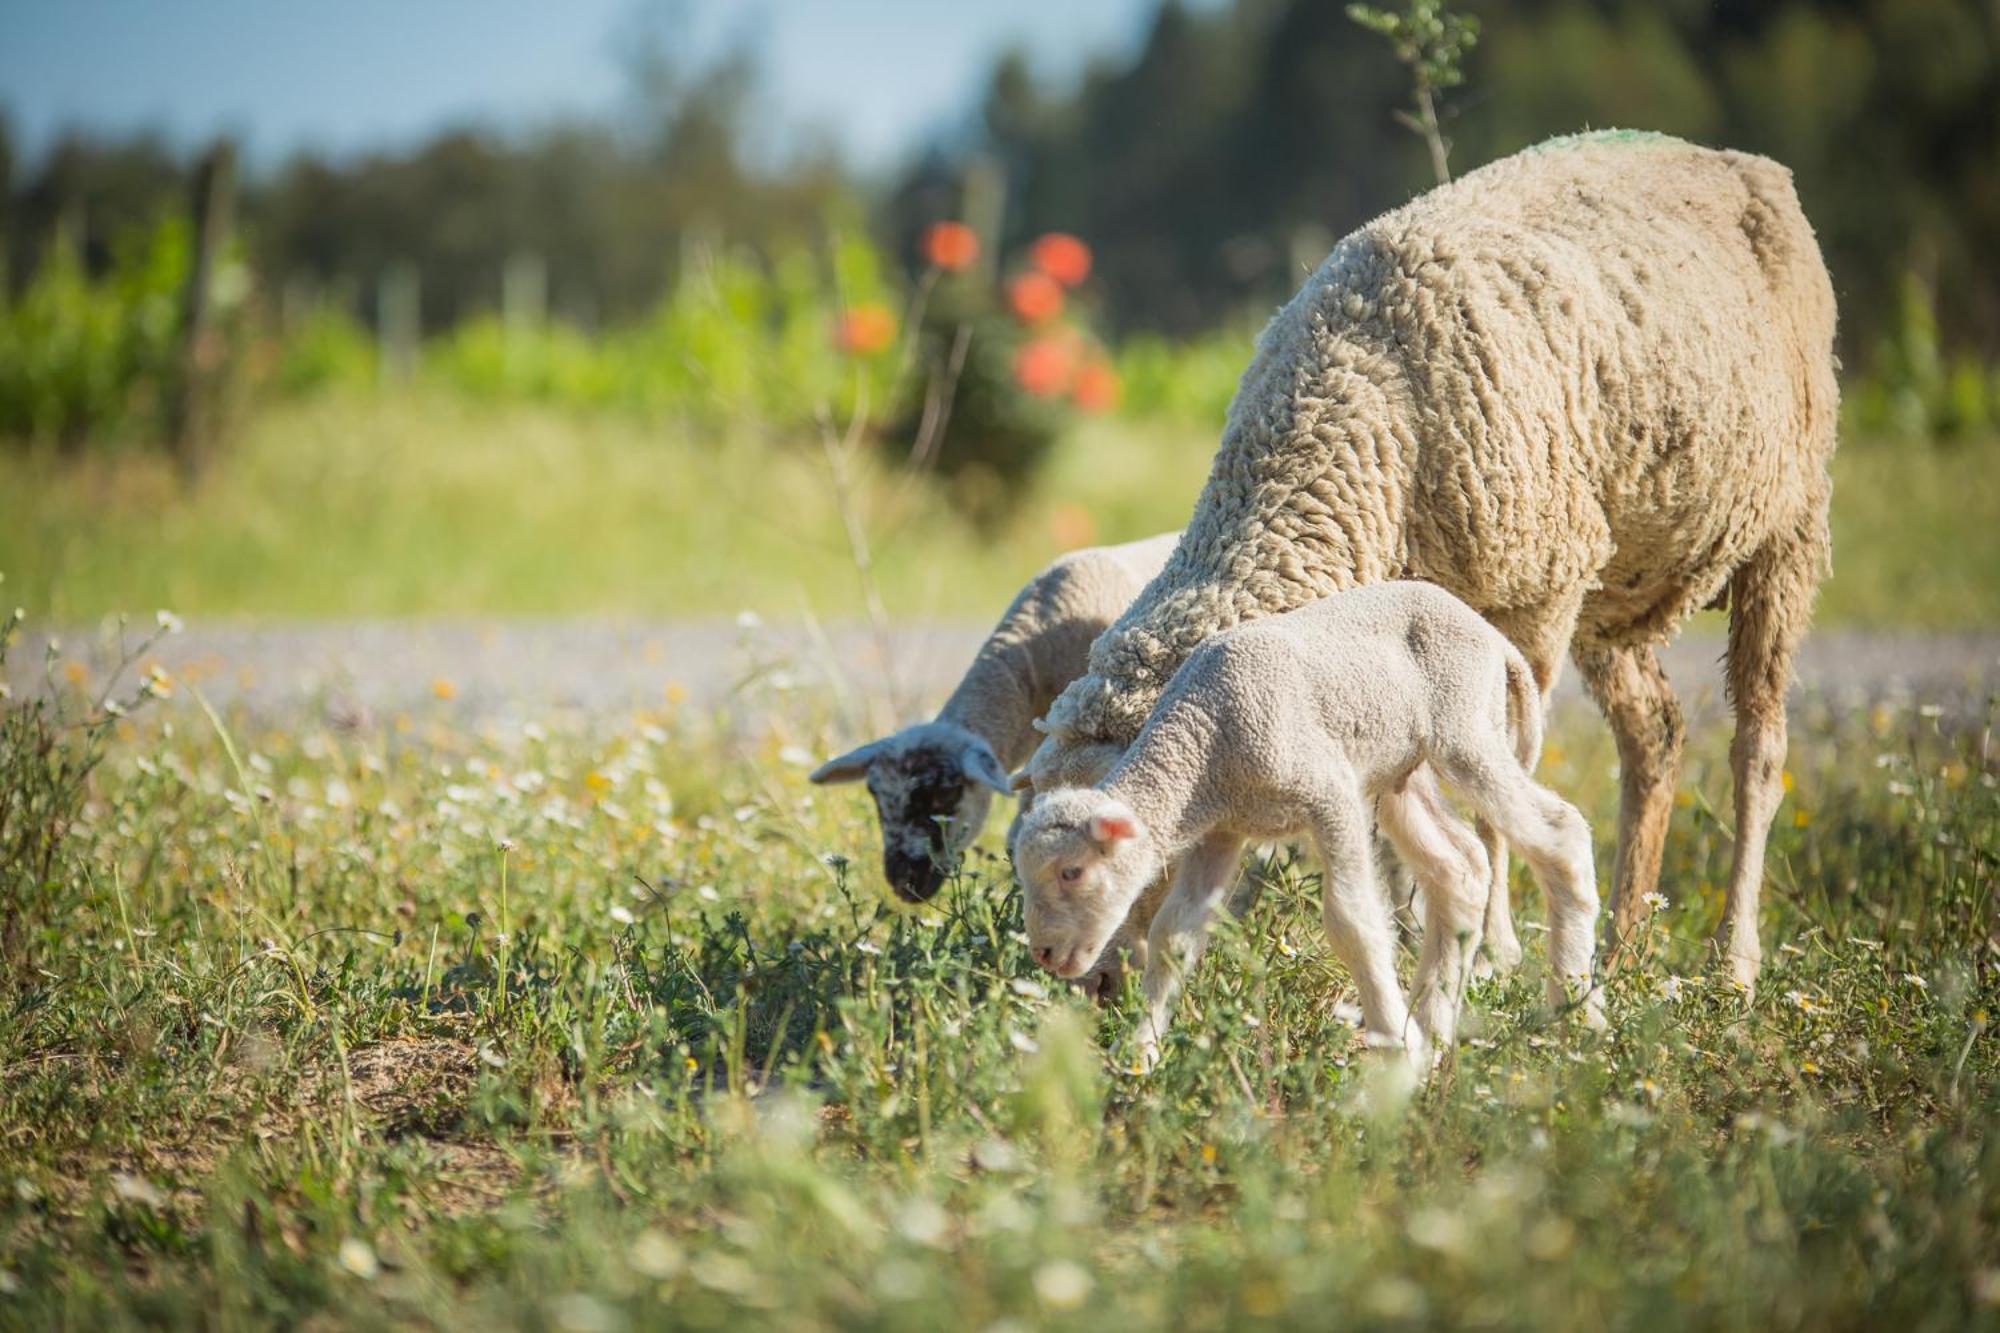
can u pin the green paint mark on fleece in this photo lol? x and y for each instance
(1589, 137)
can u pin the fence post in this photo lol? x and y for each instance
(524, 301)
(195, 400)
(398, 320)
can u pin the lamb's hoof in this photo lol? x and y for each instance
(1496, 958)
(1101, 986)
(1145, 1055)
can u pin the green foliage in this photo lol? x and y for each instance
(51, 741)
(327, 349)
(281, 1068)
(92, 358)
(1232, 146)
(425, 502)
(1914, 390)
(1190, 382)
(1426, 36)
(994, 436)
(738, 343)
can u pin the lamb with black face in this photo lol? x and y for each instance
(932, 785)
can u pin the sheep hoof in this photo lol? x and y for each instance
(1743, 970)
(1741, 963)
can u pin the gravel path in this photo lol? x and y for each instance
(481, 669)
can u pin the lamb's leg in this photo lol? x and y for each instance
(1127, 950)
(1645, 718)
(1445, 856)
(1179, 933)
(1357, 919)
(1542, 634)
(1500, 950)
(1555, 839)
(1770, 603)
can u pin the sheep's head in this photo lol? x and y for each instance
(932, 784)
(1083, 859)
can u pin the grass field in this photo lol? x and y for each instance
(591, 1029)
(414, 504)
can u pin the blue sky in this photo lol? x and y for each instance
(347, 74)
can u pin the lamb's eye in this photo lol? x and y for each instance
(1071, 874)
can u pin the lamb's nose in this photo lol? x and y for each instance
(1045, 955)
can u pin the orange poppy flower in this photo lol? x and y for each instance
(1096, 388)
(1061, 256)
(951, 246)
(1034, 298)
(865, 329)
(1042, 367)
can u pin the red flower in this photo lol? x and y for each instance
(951, 246)
(1034, 298)
(1096, 388)
(1042, 367)
(865, 329)
(1061, 256)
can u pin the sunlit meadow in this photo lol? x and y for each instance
(589, 1024)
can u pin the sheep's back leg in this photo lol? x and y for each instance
(1357, 916)
(1179, 933)
(1645, 719)
(1770, 605)
(1554, 837)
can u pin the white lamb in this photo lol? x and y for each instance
(1296, 724)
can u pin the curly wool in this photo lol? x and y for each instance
(1043, 640)
(1601, 369)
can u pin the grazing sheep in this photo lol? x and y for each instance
(933, 783)
(1300, 723)
(1588, 388)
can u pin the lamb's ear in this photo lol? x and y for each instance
(979, 765)
(1113, 822)
(850, 767)
(1021, 782)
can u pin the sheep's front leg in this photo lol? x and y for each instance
(1202, 882)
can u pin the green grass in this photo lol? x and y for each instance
(413, 504)
(609, 1027)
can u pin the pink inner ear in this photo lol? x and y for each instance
(1112, 828)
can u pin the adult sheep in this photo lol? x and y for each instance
(1589, 389)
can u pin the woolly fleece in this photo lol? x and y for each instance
(1310, 722)
(949, 768)
(1583, 388)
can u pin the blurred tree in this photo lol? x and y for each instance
(1237, 143)
(1207, 169)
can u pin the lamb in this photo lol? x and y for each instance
(933, 783)
(1588, 389)
(1299, 723)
